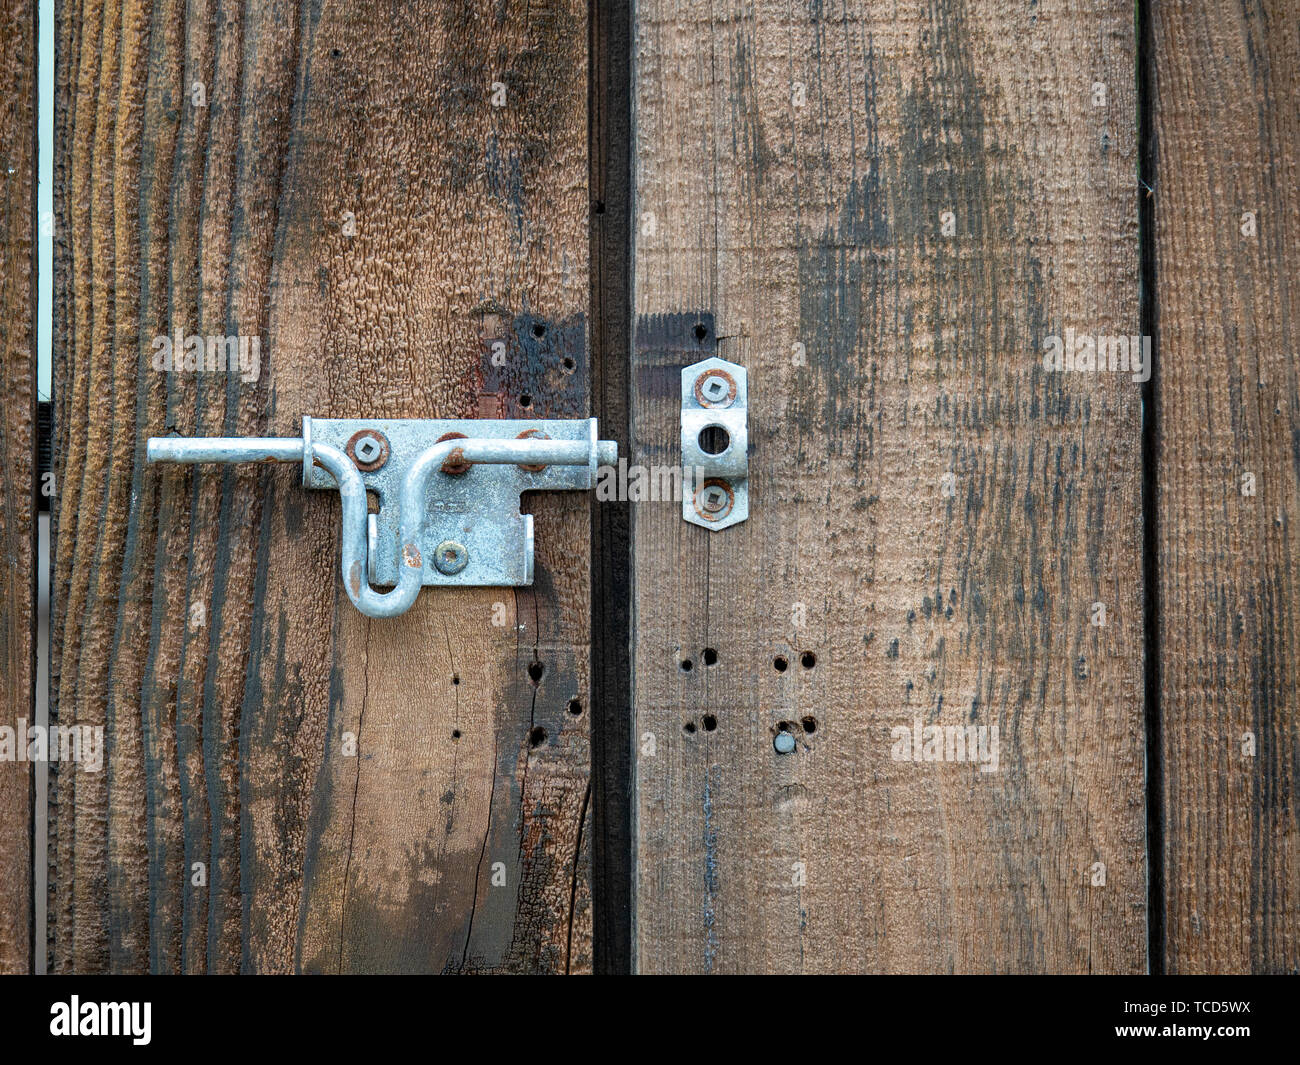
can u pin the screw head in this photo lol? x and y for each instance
(368, 449)
(784, 743)
(450, 557)
(715, 388)
(714, 499)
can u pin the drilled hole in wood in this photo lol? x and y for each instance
(710, 722)
(710, 656)
(687, 665)
(539, 330)
(701, 331)
(525, 400)
(809, 724)
(536, 736)
(455, 734)
(535, 671)
(689, 728)
(575, 707)
(807, 660)
(455, 678)
(780, 664)
(568, 364)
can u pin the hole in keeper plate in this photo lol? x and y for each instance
(714, 440)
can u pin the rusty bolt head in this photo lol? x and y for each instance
(715, 388)
(368, 449)
(450, 557)
(714, 499)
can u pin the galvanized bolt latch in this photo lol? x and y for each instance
(715, 444)
(448, 493)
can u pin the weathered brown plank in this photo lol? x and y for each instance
(1226, 119)
(201, 620)
(796, 167)
(18, 477)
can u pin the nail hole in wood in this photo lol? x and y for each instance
(780, 664)
(807, 660)
(536, 736)
(710, 722)
(710, 656)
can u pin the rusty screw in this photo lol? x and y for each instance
(450, 557)
(713, 498)
(369, 449)
(715, 389)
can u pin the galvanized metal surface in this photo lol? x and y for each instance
(448, 493)
(715, 487)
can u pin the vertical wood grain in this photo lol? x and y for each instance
(1226, 99)
(793, 167)
(336, 180)
(17, 474)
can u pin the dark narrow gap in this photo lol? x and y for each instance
(610, 116)
(1148, 312)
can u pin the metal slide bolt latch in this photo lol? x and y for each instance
(715, 444)
(448, 493)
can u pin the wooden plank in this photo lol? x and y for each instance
(611, 688)
(18, 483)
(1226, 103)
(337, 181)
(793, 171)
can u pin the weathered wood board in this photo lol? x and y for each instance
(1226, 99)
(883, 213)
(18, 479)
(377, 194)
